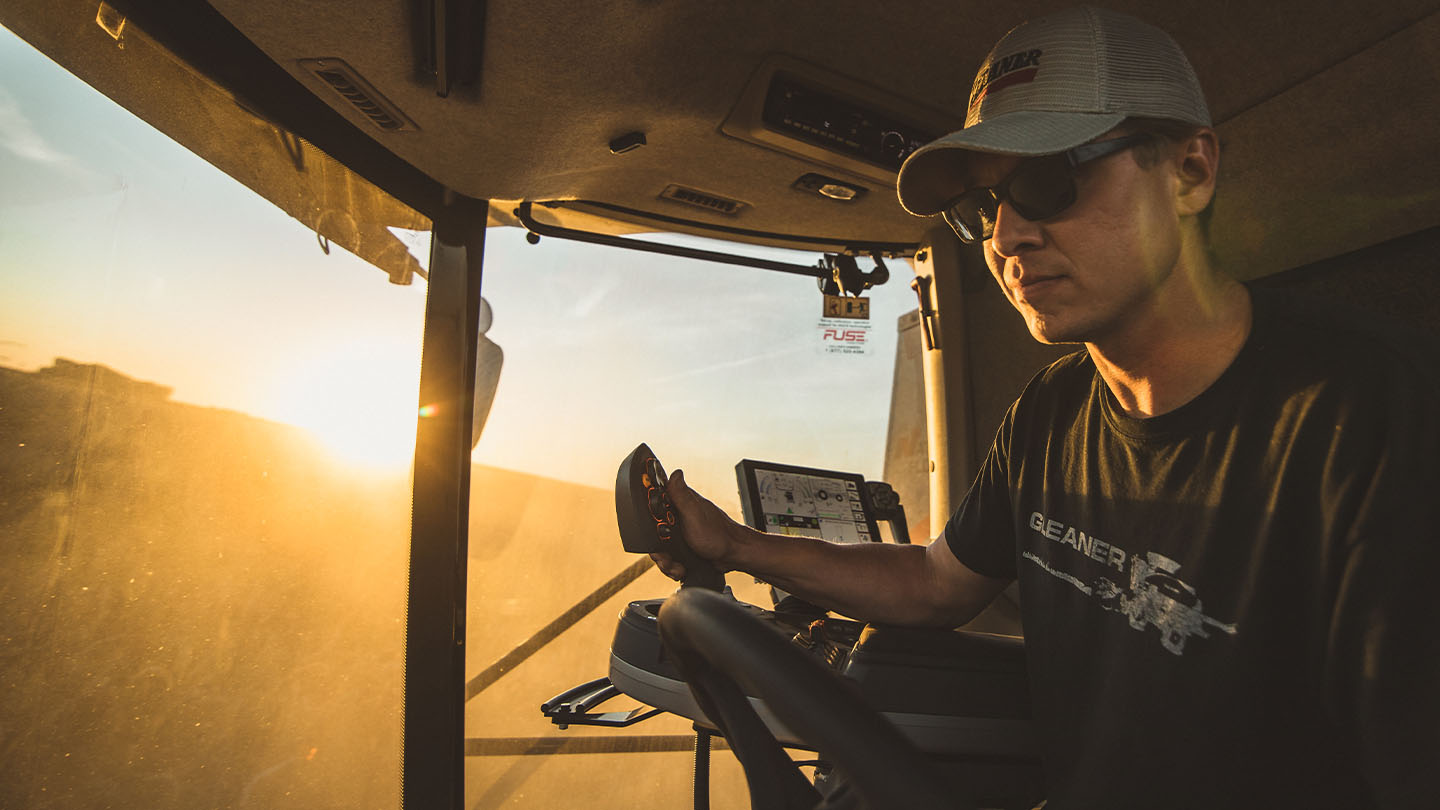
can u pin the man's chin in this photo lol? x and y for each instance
(1050, 331)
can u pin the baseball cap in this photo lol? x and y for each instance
(1052, 84)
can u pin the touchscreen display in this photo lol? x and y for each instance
(805, 502)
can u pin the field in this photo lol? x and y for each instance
(204, 609)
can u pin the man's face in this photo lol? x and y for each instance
(1087, 273)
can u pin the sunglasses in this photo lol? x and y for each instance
(1038, 189)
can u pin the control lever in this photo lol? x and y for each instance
(649, 523)
(885, 504)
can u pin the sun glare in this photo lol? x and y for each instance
(359, 398)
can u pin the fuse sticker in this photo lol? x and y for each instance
(844, 336)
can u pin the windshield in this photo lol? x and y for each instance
(206, 426)
(605, 349)
(707, 363)
(207, 417)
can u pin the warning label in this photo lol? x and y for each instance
(840, 306)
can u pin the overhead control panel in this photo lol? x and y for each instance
(832, 120)
(812, 114)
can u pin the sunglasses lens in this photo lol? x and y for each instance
(1038, 189)
(1042, 189)
(973, 215)
(958, 225)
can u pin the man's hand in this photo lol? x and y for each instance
(708, 531)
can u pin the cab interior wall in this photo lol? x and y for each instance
(1395, 283)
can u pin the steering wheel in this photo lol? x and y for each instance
(722, 652)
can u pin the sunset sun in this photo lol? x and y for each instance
(358, 398)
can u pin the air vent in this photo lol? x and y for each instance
(359, 94)
(701, 199)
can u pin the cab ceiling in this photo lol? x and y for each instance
(1327, 111)
(1320, 106)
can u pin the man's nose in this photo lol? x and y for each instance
(1013, 234)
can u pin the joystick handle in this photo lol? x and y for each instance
(649, 522)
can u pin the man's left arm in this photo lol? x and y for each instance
(1382, 669)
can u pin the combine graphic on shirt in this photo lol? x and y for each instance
(1156, 597)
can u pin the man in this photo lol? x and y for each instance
(1215, 510)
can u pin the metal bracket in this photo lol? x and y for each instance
(572, 707)
(921, 286)
(844, 276)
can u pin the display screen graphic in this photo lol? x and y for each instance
(805, 502)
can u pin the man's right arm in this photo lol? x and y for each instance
(876, 582)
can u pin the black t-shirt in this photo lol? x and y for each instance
(1232, 604)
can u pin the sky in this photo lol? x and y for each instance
(118, 246)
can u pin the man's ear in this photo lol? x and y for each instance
(1197, 162)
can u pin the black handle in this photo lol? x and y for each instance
(649, 523)
(885, 504)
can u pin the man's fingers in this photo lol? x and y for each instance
(686, 500)
(676, 485)
(668, 566)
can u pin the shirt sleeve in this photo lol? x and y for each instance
(1382, 667)
(981, 533)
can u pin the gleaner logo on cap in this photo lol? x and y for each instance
(1017, 68)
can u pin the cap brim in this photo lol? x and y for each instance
(934, 174)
